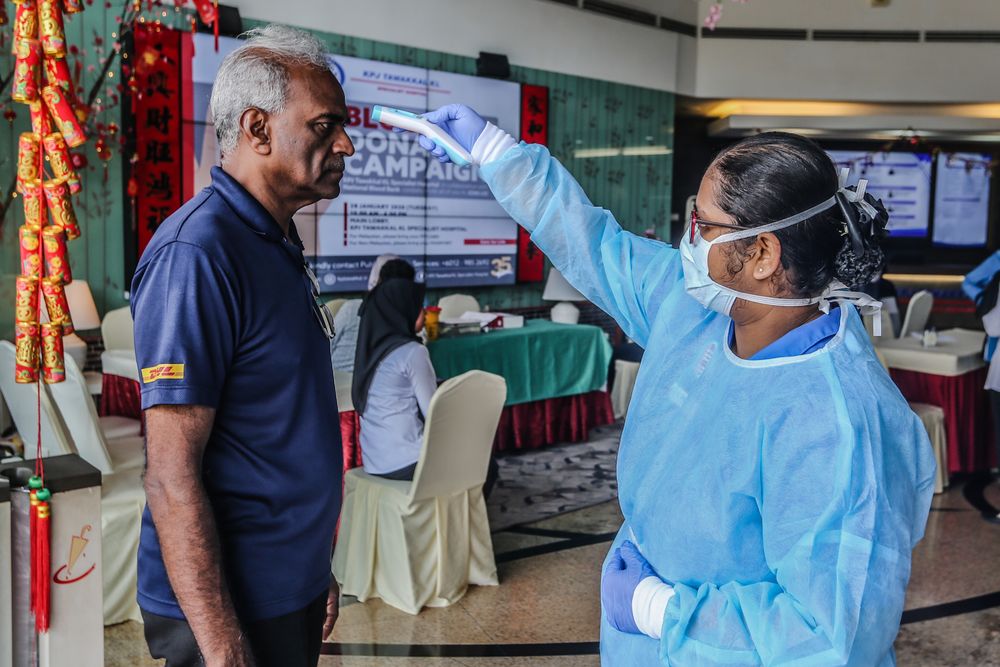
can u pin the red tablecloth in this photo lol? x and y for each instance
(523, 426)
(966, 408)
(120, 396)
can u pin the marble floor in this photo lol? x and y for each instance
(546, 609)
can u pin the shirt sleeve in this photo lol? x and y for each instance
(421, 372)
(977, 279)
(186, 323)
(625, 275)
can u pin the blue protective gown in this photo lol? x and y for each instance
(975, 282)
(781, 498)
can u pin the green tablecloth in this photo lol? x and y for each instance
(541, 360)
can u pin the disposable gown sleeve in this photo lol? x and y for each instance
(977, 279)
(625, 275)
(839, 556)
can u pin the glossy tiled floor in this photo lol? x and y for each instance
(546, 610)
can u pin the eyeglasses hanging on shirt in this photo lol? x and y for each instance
(320, 309)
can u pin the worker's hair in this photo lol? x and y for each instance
(256, 75)
(775, 175)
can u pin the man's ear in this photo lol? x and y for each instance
(255, 129)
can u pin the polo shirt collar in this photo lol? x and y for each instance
(249, 210)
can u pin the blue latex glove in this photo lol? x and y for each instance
(459, 121)
(625, 570)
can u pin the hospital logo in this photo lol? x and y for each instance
(502, 266)
(163, 372)
(338, 71)
(76, 567)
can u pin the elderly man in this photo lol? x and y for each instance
(243, 455)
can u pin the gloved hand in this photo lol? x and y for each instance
(625, 570)
(458, 120)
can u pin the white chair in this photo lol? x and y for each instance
(110, 444)
(454, 305)
(117, 330)
(421, 543)
(122, 495)
(335, 305)
(621, 389)
(918, 312)
(932, 417)
(22, 400)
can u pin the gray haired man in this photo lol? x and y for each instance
(243, 454)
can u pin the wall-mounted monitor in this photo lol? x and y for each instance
(962, 200)
(901, 180)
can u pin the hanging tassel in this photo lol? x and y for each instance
(215, 25)
(34, 484)
(43, 561)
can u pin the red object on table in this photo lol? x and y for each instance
(966, 408)
(120, 397)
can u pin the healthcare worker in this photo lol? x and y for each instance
(772, 478)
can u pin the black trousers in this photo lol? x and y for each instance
(406, 475)
(292, 640)
(995, 406)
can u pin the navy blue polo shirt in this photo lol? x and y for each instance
(224, 318)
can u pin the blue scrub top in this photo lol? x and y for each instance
(224, 318)
(804, 339)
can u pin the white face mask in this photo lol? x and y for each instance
(699, 284)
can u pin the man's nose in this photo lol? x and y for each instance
(343, 145)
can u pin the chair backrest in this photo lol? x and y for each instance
(335, 305)
(116, 329)
(342, 382)
(917, 313)
(454, 305)
(22, 399)
(458, 435)
(73, 401)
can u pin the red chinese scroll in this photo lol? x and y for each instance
(157, 109)
(534, 130)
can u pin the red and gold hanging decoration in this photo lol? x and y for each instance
(46, 180)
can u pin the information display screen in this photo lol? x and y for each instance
(962, 199)
(395, 198)
(901, 180)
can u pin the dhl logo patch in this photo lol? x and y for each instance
(163, 372)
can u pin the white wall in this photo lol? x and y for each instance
(857, 14)
(864, 72)
(550, 36)
(531, 33)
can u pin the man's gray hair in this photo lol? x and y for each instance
(256, 75)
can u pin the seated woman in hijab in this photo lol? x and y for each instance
(347, 321)
(393, 379)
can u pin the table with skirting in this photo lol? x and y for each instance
(556, 383)
(950, 375)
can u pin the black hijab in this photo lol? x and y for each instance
(388, 316)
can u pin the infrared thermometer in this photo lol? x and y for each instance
(405, 120)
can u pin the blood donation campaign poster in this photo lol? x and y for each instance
(394, 197)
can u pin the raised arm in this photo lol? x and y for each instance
(625, 275)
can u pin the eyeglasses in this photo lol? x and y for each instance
(695, 221)
(323, 314)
